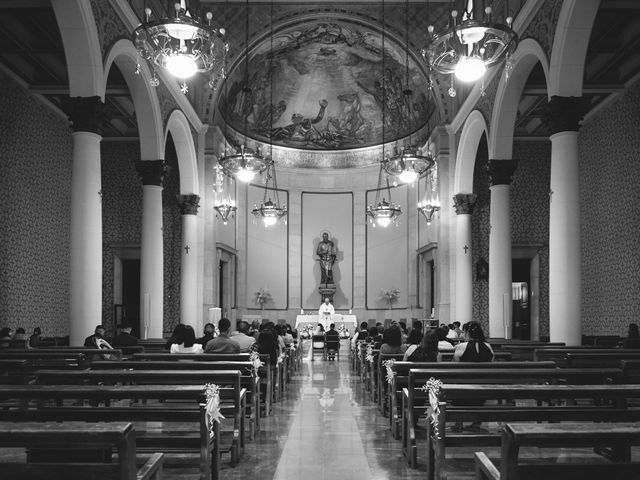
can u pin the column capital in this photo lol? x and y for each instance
(501, 171)
(464, 203)
(87, 114)
(188, 204)
(151, 171)
(564, 114)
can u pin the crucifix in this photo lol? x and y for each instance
(187, 248)
(466, 248)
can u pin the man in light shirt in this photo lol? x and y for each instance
(242, 337)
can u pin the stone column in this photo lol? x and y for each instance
(500, 174)
(189, 260)
(151, 256)
(464, 203)
(87, 116)
(565, 294)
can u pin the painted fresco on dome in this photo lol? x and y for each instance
(327, 90)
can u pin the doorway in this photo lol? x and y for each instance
(131, 294)
(521, 295)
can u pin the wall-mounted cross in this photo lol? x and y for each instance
(187, 248)
(466, 248)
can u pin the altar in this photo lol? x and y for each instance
(349, 322)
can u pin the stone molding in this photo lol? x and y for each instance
(564, 114)
(464, 203)
(501, 171)
(151, 171)
(188, 204)
(87, 114)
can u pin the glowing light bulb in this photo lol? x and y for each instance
(470, 69)
(408, 176)
(181, 66)
(383, 221)
(268, 221)
(245, 175)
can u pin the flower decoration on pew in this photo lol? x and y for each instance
(212, 406)
(433, 387)
(389, 366)
(254, 357)
(281, 358)
(369, 356)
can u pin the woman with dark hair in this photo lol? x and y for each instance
(267, 344)
(186, 341)
(633, 337)
(427, 351)
(392, 341)
(475, 349)
(175, 335)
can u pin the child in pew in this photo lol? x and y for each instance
(474, 349)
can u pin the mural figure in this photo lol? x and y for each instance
(301, 130)
(326, 253)
(350, 125)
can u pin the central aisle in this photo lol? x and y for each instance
(323, 428)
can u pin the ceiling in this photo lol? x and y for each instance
(31, 50)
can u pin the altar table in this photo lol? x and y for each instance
(348, 321)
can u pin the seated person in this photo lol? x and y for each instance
(242, 337)
(333, 340)
(208, 334)
(444, 343)
(186, 341)
(223, 343)
(98, 334)
(392, 341)
(125, 339)
(633, 337)
(427, 351)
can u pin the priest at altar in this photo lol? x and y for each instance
(326, 310)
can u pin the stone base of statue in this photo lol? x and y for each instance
(327, 290)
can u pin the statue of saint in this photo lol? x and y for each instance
(326, 253)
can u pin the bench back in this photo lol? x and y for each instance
(559, 355)
(218, 357)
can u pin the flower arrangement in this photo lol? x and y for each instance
(212, 406)
(390, 296)
(433, 387)
(389, 366)
(262, 296)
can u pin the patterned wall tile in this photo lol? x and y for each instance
(610, 217)
(35, 213)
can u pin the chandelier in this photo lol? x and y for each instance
(182, 44)
(383, 212)
(246, 163)
(270, 212)
(470, 46)
(408, 163)
(224, 204)
(430, 203)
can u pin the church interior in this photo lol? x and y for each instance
(289, 163)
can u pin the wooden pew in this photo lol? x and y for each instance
(192, 408)
(13, 372)
(249, 379)
(266, 373)
(556, 436)
(37, 360)
(89, 353)
(498, 356)
(559, 355)
(383, 381)
(235, 404)
(414, 399)
(606, 403)
(599, 359)
(400, 380)
(77, 435)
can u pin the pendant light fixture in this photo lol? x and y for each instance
(270, 212)
(472, 43)
(382, 212)
(246, 163)
(184, 42)
(408, 164)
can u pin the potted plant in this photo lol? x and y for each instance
(390, 296)
(262, 296)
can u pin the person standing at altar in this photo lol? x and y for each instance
(326, 309)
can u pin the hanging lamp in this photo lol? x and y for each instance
(248, 162)
(184, 42)
(382, 212)
(472, 43)
(408, 163)
(270, 212)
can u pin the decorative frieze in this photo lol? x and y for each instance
(87, 114)
(565, 113)
(151, 171)
(501, 171)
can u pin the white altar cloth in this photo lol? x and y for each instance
(348, 321)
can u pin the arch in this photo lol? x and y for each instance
(570, 44)
(474, 127)
(81, 47)
(505, 108)
(178, 125)
(145, 99)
